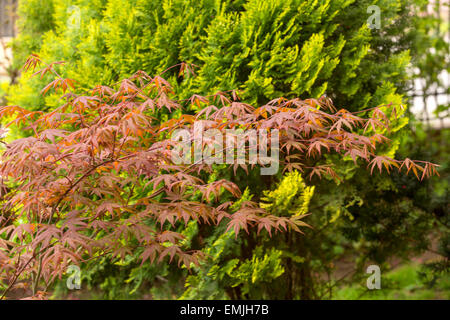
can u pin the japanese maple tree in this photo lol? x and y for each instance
(96, 176)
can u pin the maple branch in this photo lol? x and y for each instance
(18, 273)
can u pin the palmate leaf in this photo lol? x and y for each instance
(64, 84)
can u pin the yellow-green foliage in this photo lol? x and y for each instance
(291, 197)
(225, 267)
(266, 48)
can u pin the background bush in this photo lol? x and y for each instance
(266, 49)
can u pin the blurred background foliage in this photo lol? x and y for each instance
(268, 49)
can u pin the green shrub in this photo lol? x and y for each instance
(266, 49)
